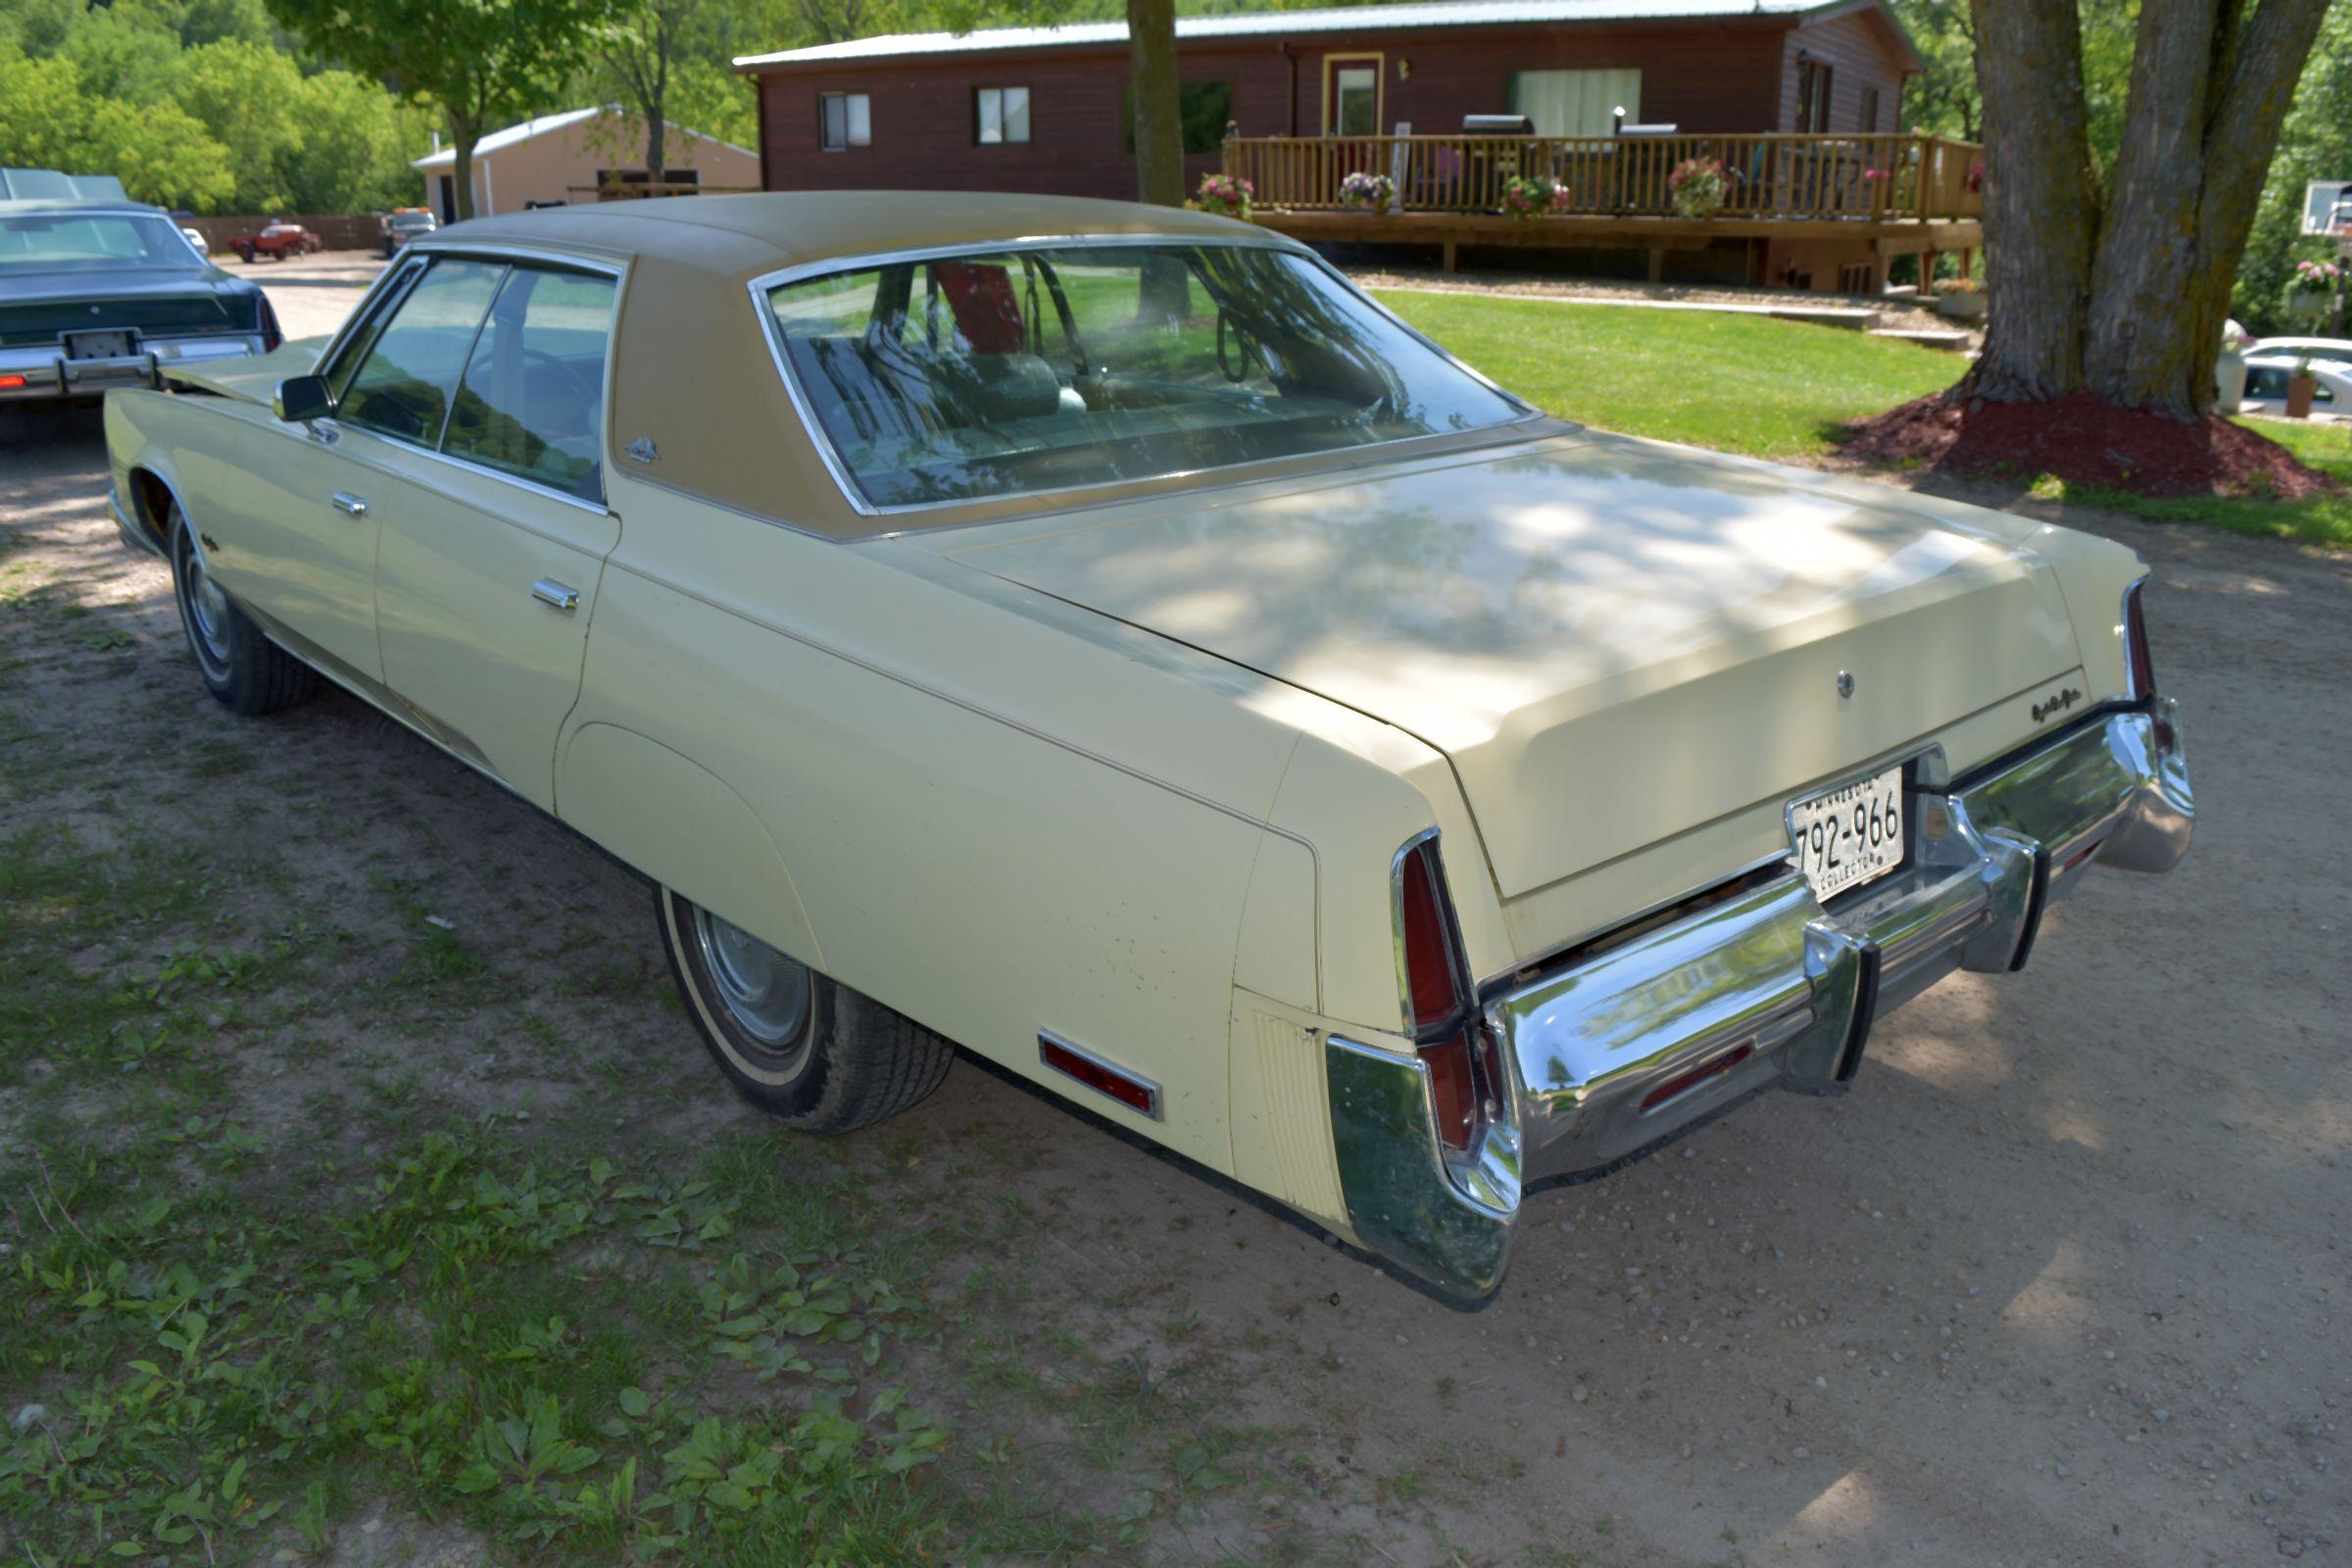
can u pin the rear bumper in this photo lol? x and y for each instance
(1642, 1038)
(47, 374)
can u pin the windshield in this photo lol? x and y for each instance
(996, 374)
(52, 241)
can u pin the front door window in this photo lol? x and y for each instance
(1355, 99)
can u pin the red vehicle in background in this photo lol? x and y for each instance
(278, 239)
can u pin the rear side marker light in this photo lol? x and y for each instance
(1683, 1082)
(1453, 1089)
(1428, 941)
(1136, 1093)
(1451, 1041)
(11, 382)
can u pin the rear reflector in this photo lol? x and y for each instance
(1682, 1083)
(1135, 1092)
(11, 381)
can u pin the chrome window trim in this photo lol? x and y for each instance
(772, 333)
(415, 256)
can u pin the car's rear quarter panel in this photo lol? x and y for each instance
(984, 821)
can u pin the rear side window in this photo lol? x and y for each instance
(405, 380)
(531, 401)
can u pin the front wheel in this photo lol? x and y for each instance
(241, 667)
(807, 1049)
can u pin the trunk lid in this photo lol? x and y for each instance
(1612, 641)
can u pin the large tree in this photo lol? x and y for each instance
(637, 54)
(483, 62)
(1158, 104)
(2118, 280)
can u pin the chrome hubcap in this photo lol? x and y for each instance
(765, 993)
(208, 609)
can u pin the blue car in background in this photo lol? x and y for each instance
(98, 291)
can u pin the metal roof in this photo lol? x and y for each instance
(1262, 23)
(447, 157)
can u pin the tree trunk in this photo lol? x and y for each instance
(656, 103)
(2208, 100)
(2040, 211)
(1159, 112)
(463, 133)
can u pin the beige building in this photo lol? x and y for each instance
(570, 157)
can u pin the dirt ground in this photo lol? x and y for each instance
(2062, 1282)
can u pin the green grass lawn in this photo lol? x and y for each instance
(1739, 383)
(1781, 389)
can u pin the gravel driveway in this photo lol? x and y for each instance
(2063, 1281)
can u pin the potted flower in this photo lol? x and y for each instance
(1698, 186)
(1531, 196)
(1226, 195)
(2301, 388)
(2310, 290)
(1364, 191)
(1960, 298)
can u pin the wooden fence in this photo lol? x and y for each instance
(342, 231)
(1767, 177)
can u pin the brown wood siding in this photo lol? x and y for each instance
(1861, 51)
(1716, 77)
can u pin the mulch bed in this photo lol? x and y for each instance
(2082, 441)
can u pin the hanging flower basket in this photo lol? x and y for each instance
(1366, 191)
(1225, 195)
(1526, 197)
(2311, 291)
(1698, 187)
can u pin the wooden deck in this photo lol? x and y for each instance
(1870, 198)
(1773, 179)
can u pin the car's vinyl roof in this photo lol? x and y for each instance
(744, 236)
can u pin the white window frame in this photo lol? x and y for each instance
(1002, 99)
(856, 120)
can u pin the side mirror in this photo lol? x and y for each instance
(301, 397)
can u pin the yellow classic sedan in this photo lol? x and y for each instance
(1100, 637)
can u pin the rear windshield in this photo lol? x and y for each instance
(997, 373)
(54, 241)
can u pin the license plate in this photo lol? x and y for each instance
(1849, 835)
(100, 345)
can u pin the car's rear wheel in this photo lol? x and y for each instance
(244, 670)
(803, 1048)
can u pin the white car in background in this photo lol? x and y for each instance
(2268, 373)
(2322, 348)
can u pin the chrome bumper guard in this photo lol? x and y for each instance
(1768, 988)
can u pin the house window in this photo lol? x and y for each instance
(1870, 108)
(1002, 115)
(1577, 103)
(844, 120)
(1812, 95)
(1352, 95)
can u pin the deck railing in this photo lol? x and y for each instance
(1772, 177)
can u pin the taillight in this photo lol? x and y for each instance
(1436, 996)
(272, 337)
(2141, 664)
(1433, 992)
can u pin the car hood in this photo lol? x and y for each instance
(1612, 640)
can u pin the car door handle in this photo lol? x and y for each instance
(557, 594)
(345, 501)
